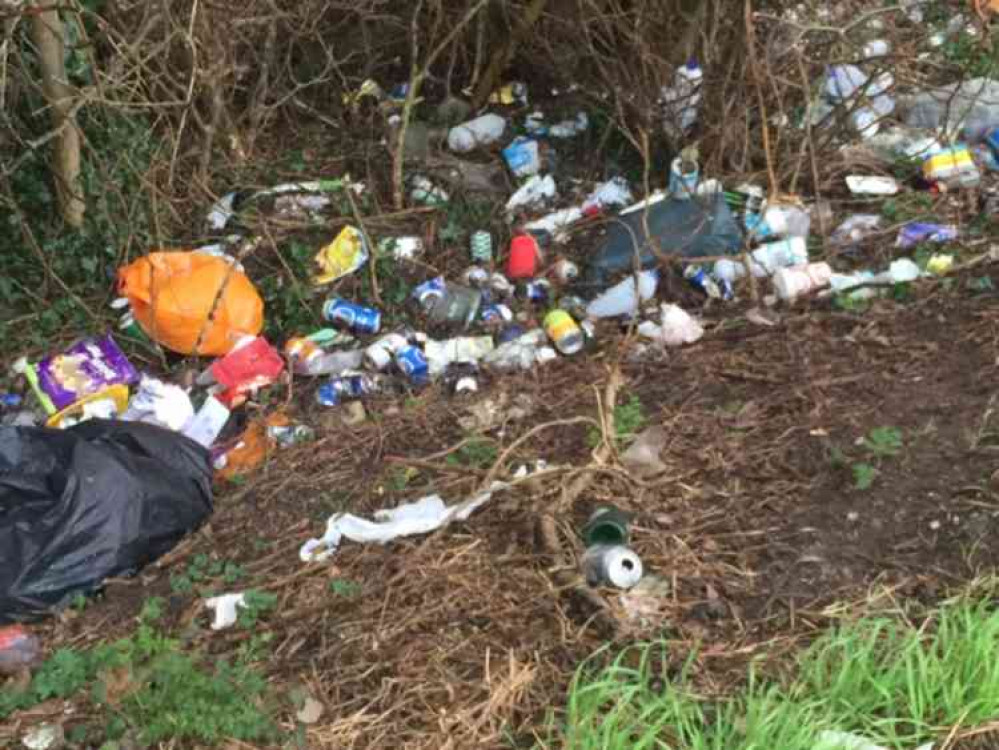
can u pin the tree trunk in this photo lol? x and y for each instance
(48, 36)
(505, 52)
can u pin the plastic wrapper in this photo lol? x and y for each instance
(83, 370)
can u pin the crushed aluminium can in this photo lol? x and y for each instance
(337, 390)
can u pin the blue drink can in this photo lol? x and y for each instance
(412, 362)
(336, 390)
(536, 291)
(429, 290)
(495, 314)
(357, 318)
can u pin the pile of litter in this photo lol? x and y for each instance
(102, 463)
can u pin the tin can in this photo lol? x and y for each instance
(500, 285)
(683, 180)
(700, 279)
(565, 271)
(475, 276)
(612, 565)
(379, 354)
(412, 362)
(525, 254)
(340, 389)
(481, 246)
(357, 318)
(536, 291)
(301, 349)
(564, 332)
(425, 292)
(496, 314)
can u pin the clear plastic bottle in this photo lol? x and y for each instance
(621, 298)
(307, 358)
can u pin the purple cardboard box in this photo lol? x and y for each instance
(86, 368)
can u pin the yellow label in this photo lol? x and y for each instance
(559, 323)
(948, 161)
(300, 348)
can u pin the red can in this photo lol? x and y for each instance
(525, 255)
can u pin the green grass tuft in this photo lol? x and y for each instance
(896, 684)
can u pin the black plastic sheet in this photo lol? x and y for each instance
(101, 499)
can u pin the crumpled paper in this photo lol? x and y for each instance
(225, 608)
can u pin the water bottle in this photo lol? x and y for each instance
(621, 299)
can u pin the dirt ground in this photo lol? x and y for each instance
(755, 531)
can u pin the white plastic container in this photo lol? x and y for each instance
(787, 219)
(621, 298)
(871, 184)
(765, 260)
(482, 131)
(790, 283)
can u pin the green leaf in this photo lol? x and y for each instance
(883, 441)
(863, 476)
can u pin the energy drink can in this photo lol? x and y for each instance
(357, 318)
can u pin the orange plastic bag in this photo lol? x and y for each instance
(172, 295)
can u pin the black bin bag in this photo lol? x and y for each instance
(101, 499)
